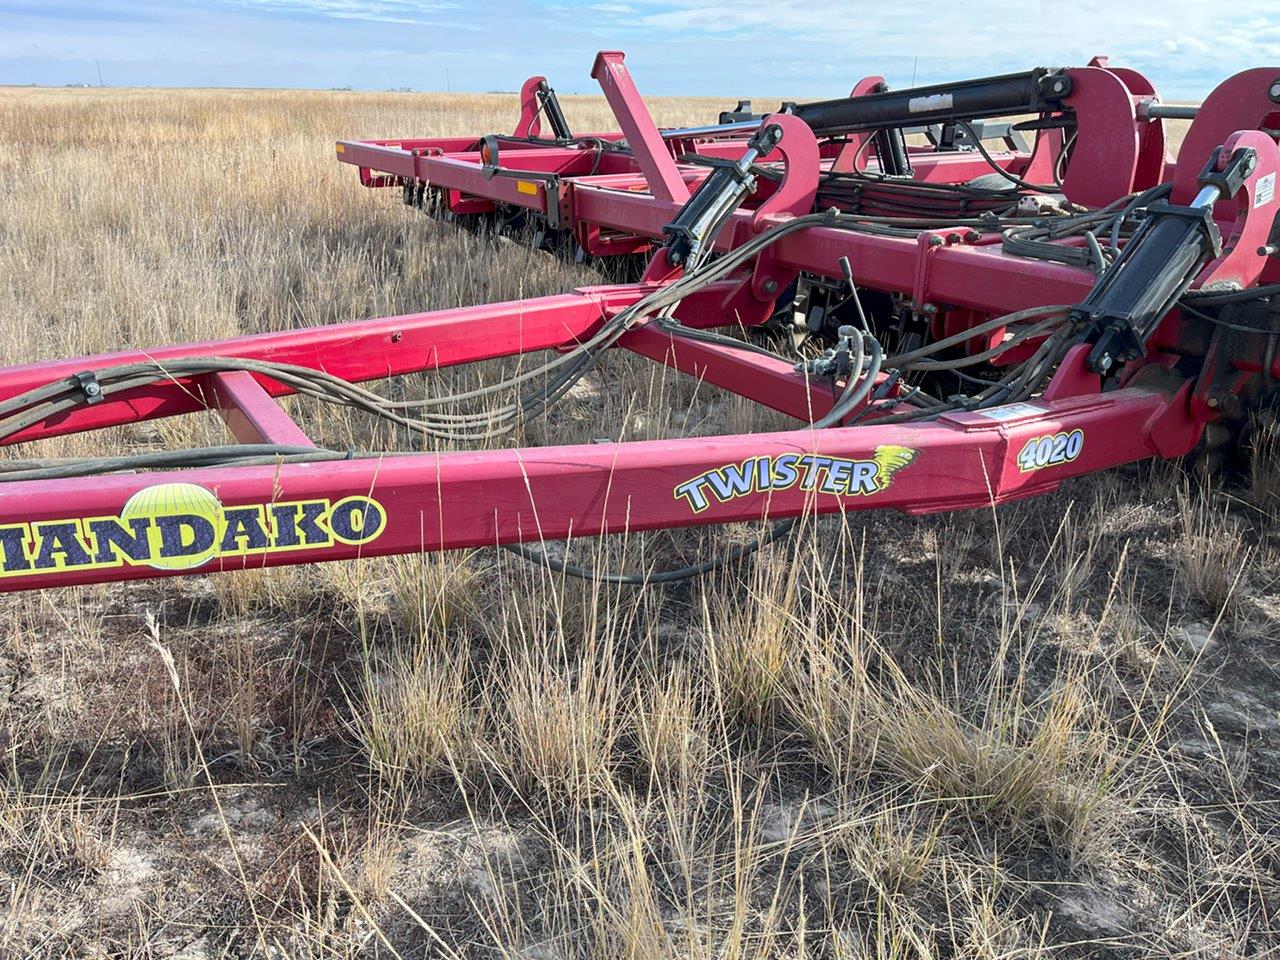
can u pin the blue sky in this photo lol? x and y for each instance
(790, 48)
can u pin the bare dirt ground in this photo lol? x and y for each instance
(1046, 730)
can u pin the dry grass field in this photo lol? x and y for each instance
(1046, 730)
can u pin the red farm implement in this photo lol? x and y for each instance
(963, 294)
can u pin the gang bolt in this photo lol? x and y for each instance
(92, 389)
(1274, 91)
(770, 286)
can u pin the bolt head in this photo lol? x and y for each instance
(1213, 402)
(770, 286)
(1274, 91)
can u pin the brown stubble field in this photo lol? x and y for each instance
(1046, 730)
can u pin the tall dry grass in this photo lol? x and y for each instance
(1044, 730)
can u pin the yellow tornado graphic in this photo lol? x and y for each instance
(176, 499)
(889, 460)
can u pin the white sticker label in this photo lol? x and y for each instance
(939, 101)
(1011, 411)
(1266, 190)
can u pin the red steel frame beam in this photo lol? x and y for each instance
(251, 414)
(463, 169)
(73, 531)
(358, 351)
(945, 273)
(393, 346)
(465, 172)
(772, 383)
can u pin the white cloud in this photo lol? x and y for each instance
(423, 12)
(954, 39)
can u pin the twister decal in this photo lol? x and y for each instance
(812, 473)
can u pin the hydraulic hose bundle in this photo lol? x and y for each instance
(425, 415)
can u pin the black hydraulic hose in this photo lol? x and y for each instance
(996, 168)
(1202, 298)
(229, 455)
(1218, 321)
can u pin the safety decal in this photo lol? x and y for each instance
(1050, 450)
(1011, 411)
(833, 475)
(181, 526)
(1264, 191)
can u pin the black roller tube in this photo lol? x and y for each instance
(1034, 91)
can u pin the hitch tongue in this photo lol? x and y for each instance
(1157, 265)
(702, 216)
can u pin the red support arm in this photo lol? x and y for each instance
(651, 153)
(358, 351)
(251, 414)
(773, 383)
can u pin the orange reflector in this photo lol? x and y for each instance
(525, 186)
(341, 148)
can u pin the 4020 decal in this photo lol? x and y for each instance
(1050, 450)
